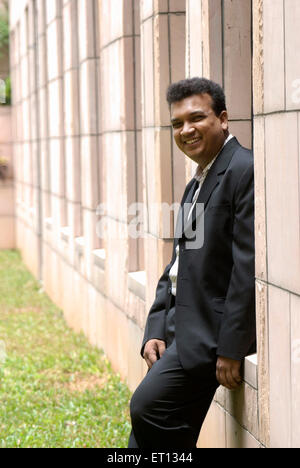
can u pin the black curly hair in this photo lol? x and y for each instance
(190, 86)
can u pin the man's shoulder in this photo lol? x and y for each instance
(242, 159)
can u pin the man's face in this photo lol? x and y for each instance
(198, 132)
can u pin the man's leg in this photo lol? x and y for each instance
(132, 443)
(169, 406)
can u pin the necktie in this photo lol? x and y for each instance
(193, 207)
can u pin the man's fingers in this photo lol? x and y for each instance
(226, 379)
(236, 376)
(231, 383)
(221, 376)
(154, 350)
(228, 372)
(161, 348)
(152, 357)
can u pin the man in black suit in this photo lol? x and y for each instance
(202, 322)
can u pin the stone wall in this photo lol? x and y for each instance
(276, 142)
(7, 201)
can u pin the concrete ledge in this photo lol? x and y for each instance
(99, 258)
(137, 283)
(79, 245)
(65, 233)
(48, 223)
(250, 370)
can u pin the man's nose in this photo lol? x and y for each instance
(187, 129)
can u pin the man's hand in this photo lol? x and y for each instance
(154, 349)
(228, 372)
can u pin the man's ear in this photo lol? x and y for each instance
(224, 120)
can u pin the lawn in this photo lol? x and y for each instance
(56, 390)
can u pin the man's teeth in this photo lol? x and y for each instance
(190, 142)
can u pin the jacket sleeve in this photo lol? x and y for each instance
(155, 325)
(238, 330)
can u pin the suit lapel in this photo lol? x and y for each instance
(212, 179)
(187, 198)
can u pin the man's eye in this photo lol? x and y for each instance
(176, 125)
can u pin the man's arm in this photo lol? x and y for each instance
(238, 330)
(155, 325)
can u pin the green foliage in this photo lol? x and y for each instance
(8, 91)
(4, 28)
(5, 91)
(56, 390)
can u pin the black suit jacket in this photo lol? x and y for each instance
(215, 297)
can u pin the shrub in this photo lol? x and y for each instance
(4, 28)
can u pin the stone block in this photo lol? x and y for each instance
(242, 130)
(237, 58)
(112, 85)
(70, 42)
(161, 68)
(113, 26)
(237, 436)
(55, 106)
(56, 158)
(71, 103)
(43, 113)
(116, 262)
(88, 102)
(194, 59)
(279, 367)
(213, 433)
(86, 29)
(292, 54)
(273, 46)
(147, 8)
(263, 362)
(242, 405)
(282, 194)
(295, 371)
(53, 10)
(54, 49)
(147, 32)
(118, 344)
(73, 172)
(114, 149)
(260, 196)
(135, 362)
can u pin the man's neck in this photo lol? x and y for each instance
(204, 164)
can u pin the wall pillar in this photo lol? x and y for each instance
(163, 62)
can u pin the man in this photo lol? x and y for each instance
(202, 322)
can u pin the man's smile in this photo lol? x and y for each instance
(192, 142)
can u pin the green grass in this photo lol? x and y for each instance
(56, 390)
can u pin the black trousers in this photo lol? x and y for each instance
(169, 406)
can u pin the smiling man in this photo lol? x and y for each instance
(202, 322)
